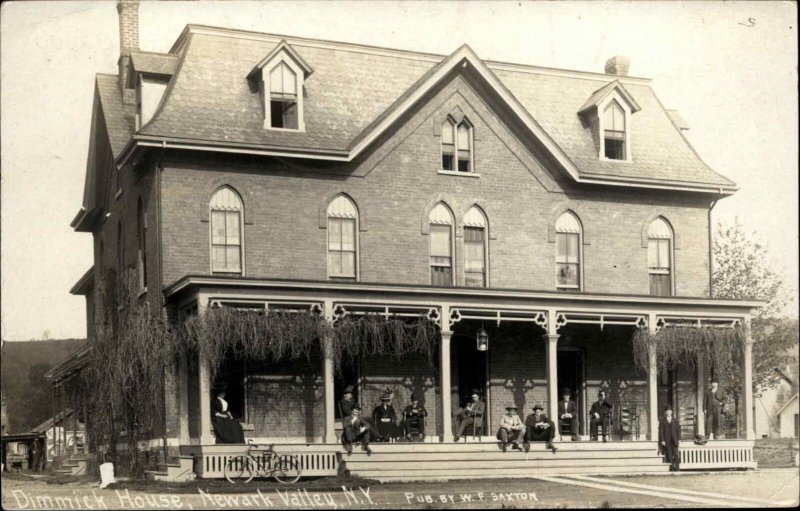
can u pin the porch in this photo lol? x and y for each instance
(540, 342)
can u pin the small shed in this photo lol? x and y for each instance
(789, 418)
(18, 450)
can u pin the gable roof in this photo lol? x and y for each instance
(602, 93)
(283, 46)
(786, 404)
(356, 93)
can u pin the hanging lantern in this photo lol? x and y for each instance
(483, 339)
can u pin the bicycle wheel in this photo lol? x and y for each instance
(286, 469)
(240, 468)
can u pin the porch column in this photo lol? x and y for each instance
(183, 399)
(699, 415)
(204, 375)
(551, 348)
(747, 382)
(330, 398)
(444, 375)
(652, 384)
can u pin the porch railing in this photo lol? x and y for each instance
(315, 460)
(718, 454)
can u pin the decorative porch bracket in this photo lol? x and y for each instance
(538, 317)
(314, 307)
(564, 318)
(341, 310)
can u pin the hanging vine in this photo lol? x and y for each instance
(717, 348)
(373, 334)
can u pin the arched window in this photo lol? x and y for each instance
(448, 145)
(659, 257)
(614, 131)
(441, 223)
(283, 97)
(342, 243)
(120, 248)
(456, 146)
(226, 231)
(475, 248)
(141, 238)
(568, 252)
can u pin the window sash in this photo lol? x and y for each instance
(342, 247)
(614, 135)
(282, 80)
(441, 276)
(660, 284)
(226, 252)
(658, 255)
(567, 275)
(474, 256)
(567, 248)
(441, 241)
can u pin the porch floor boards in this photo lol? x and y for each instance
(410, 462)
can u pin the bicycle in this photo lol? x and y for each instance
(284, 468)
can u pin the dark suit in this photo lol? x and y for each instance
(603, 409)
(385, 420)
(536, 432)
(468, 415)
(568, 425)
(712, 407)
(351, 431)
(669, 438)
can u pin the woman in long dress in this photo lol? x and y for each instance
(226, 428)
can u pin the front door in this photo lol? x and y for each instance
(571, 375)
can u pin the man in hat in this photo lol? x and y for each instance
(600, 415)
(385, 418)
(510, 428)
(568, 415)
(669, 438)
(355, 429)
(712, 407)
(347, 402)
(467, 416)
(538, 428)
(414, 418)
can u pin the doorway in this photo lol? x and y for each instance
(571, 375)
(472, 367)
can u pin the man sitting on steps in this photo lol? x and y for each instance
(538, 428)
(355, 429)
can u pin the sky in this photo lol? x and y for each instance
(729, 68)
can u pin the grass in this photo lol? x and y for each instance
(775, 452)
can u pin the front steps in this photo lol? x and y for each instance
(441, 461)
(180, 472)
(71, 464)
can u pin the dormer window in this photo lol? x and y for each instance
(281, 77)
(283, 97)
(149, 91)
(608, 113)
(614, 131)
(456, 146)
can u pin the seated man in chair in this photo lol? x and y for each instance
(468, 415)
(414, 419)
(600, 415)
(568, 415)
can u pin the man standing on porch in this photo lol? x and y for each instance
(712, 407)
(568, 415)
(600, 414)
(469, 414)
(669, 438)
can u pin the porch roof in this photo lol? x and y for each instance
(316, 289)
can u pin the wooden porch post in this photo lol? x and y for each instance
(551, 348)
(444, 375)
(204, 374)
(699, 415)
(652, 384)
(747, 382)
(327, 376)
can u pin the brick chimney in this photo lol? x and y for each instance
(618, 65)
(128, 40)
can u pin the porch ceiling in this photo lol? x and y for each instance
(455, 297)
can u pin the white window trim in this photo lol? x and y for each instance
(579, 287)
(300, 78)
(601, 107)
(356, 244)
(671, 261)
(211, 238)
(454, 126)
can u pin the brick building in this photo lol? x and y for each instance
(558, 210)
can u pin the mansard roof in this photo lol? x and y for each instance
(357, 92)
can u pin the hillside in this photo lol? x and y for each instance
(22, 368)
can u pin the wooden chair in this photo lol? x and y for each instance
(476, 429)
(628, 422)
(686, 418)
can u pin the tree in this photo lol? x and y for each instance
(741, 272)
